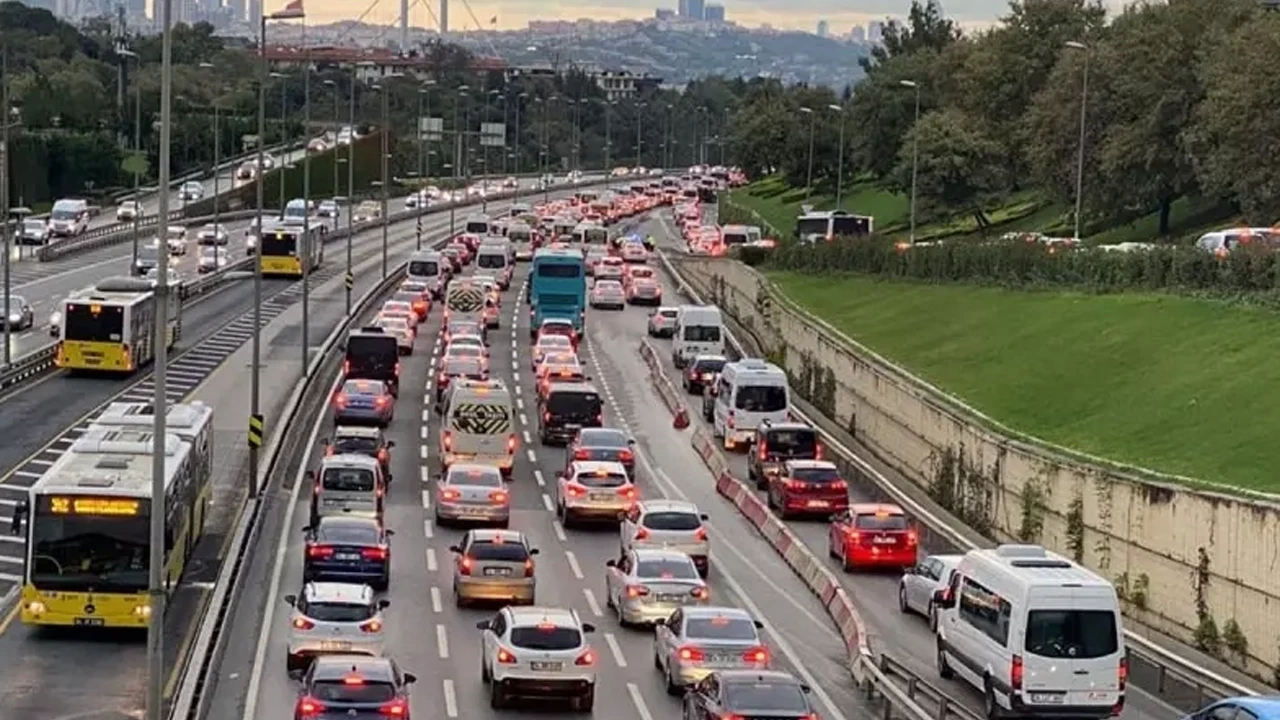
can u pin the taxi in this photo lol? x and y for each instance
(554, 372)
(422, 303)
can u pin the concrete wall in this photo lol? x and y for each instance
(1178, 548)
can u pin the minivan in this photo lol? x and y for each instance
(699, 330)
(1034, 632)
(748, 393)
(428, 266)
(347, 484)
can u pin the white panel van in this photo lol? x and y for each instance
(428, 266)
(699, 330)
(748, 393)
(1035, 633)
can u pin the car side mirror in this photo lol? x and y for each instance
(324, 442)
(455, 549)
(384, 604)
(391, 533)
(631, 441)
(704, 517)
(19, 512)
(482, 625)
(588, 628)
(533, 551)
(306, 530)
(297, 675)
(941, 600)
(410, 678)
(310, 475)
(391, 444)
(611, 563)
(291, 600)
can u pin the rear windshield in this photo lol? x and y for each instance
(338, 691)
(424, 268)
(492, 261)
(761, 398)
(672, 521)
(880, 522)
(1076, 634)
(488, 477)
(792, 443)
(348, 534)
(338, 612)
(478, 227)
(765, 697)
(720, 628)
(348, 479)
(566, 403)
(355, 445)
(820, 476)
(500, 552)
(680, 570)
(606, 480)
(702, 333)
(364, 347)
(709, 366)
(546, 638)
(362, 387)
(671, 314)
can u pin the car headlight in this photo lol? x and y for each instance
(15, 317)
(55, 318)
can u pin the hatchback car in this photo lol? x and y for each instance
(916, 588)
(873, 535)
(128, 211)
(648, 584)
(21, 315)
(556, 326)
(748, 694)
(609, 267)
(697, 641)
(698, 375)
(603, 445)
(472, 493)
(549, 344)
(361, 440)
(807, 487)
(364, 401)
(399, 308)
(330, 618)
(211, 260)
(593, 491)
(671, 524)
(341, 686)
(775, 443)
(212, 234)
(494, 566)
(538, 652)
(348, 549)
(662, 322)
(608, 294)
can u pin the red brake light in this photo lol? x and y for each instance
(913, 538)
(528, 567)
(465, 565)
(1122, 674)
(371, 626)
(1015, 673)
(635, 591)
(498, 497)
(729, 420)
(329, 450)
(308, 707)
(627, 492)
(700, 535)
(700, 593)
(505, 657)
(511, 444)
(642, 534)
(382, 401)
(758, 655)
(691, 654)
(377, 553)
(587, 657)
(303, 623)
(575, 490)
(353, 680)
(839, 485)
(382, 454)
(625, 456)
(450, 494)
(581, 454)
(817, 452)
(395, 708)
(448, 440)
(319, 551)
(340, 399)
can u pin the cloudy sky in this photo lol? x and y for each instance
(511, 14)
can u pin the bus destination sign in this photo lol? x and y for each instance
(91, 505)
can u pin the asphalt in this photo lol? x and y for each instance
(429, 636)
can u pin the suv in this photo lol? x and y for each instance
(671, 524)
(567, 408)
(538, 652)
(774, 443)
(334, 618)
(361, 440)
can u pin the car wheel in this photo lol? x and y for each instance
(940, 659)
(585, 702)
(902, 599)
(497, 698)
(933, 618)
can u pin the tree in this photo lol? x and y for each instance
(927, 28)
(883, 110)
(959, 169)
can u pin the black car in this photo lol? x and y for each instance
(748, 694)
(567, 408)
(348, 549)
(361, 440)
(700, 372)
(372, 354)
(777, 442)
(346, 686)
(603, 445)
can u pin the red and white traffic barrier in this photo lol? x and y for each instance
(663, 386)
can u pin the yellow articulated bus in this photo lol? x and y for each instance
(285, 248)
(112, 327)
(88, 524)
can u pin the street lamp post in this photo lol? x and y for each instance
(839, 164)
(385, 92)
(516, 161)
(1084, 104)
(639, 134)
(608, 142)
(333, 86)
(808, 183)
(915, 155)
(283, 99)
(4, 195)
(306, 203)
(217, 152)
(137, 149)
(666, 138)
(724, 135)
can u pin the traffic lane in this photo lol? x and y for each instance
(744, 570)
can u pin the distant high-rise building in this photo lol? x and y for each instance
(444, 17)
(664, 14)
(713, 12)
(235, 7)
(858, 34)
(697, 9)
(255, 13)
(875, 31)
(824, 28)
(682, 8)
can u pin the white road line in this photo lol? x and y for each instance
(442, 641)
(45, 463)
(546, 503)
(26, 473)
(427, 529)
(436, 604)
(426, 499)
(638, 700)
(573, 563)
(426, 415)
(422, 452)
(524, 419)
(533, 457)
(517, 391)
(559, 531)
(423, 431)
(537, 476)
(527, 437)
(616, 649)
(432, 566)
(520, 407)
(426, 474)
(450, 699)
(591, 602)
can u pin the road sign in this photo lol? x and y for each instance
(493, 134)
(256, 430)
(431, 129)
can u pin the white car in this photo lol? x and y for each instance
(915, 590)
(327, 209)
(594, 490)
(128, 211)
(671, 524)
(212, 234)
(191, 190)
(399, 327)
(608, 294)
(176, 239)
(331, 618)
(212, 259)
(533, 651)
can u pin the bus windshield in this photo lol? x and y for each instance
(103, 553)
(81, 322)
(559, 270)
(279, 244)
(811, 226)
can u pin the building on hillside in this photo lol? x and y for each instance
(875, 31)
(616, 84)
(858, 34)
(824, 28)
(664, 14)
(373, 63)
(714, 13)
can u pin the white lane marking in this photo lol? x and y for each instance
(546, 503)
(616, 649)
(432, 566)
(527, 438)
(422, 451)
(592, 603)
(638, 700)
(423, 432)
(524, 419)
(427, 529)
(559, 531)
(442, 641)
(426, 414)
(520, 407)
(450, 699)
(573, 564)
(426, 499)
(436, 604)
(426, 474)
(517, 391)
(533, 457)
(537, 476)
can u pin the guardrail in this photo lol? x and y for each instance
(1180, 682)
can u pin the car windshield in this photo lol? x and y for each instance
(474, 477)
(344, 691)
(887, 521)
(720, 628)
(675, 521)
(347, 534)
(33, 224)
(666, 569)
(395, 322)
(1075, 634)
(668, 314)
(336, 612)
(709, 366)
(355, 445)
(464, 351)
(500, 552)
(348, 479)
(546, 637)
(765, 697)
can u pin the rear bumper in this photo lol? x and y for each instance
(1073, 712)
(473, 513)
(875, 557)
(799, 505)
(545, 687)
(496, 589)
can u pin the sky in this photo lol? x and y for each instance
(514, 14)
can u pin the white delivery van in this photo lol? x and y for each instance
(478, 225)
(478, 426)
(749, 392)
(699, 331)
(428, 266)
(69, 217)
(1035, 633)
(347, 484)
(495, 256)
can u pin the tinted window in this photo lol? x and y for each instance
(678, 569)
(355, 445)
(338, 691)
(682, 521)
(573, 403)
(988, 613)
(735, 238)
(720, 628)
(492, 261)
(792, 443)
(279, 244)
(361, 347)
(547, 342)
(1079, 634)
(880, 522)
(761, 398)
(669, 314)
(818, 476)
(477, 227)
(548, 638)
(702, 333)
(488, 477)
(555, 299)
(424, 268)
(502, 552)
(709, 366)
(338, 612)
(811, 226)
(81, 323)
(348, 534)
(348, 479)
(559, 270)
(604, 438)
(607, 480)
(765, 697)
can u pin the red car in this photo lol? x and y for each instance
(873, 535)
(807, 487)
(556, 326)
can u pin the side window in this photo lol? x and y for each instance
(1225, 711)
(676, 623)
(498, 624)
(984, 610)
(723, 390)
(933, 568)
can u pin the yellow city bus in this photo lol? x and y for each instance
(284, 248)
(88, 525)
(112, 328)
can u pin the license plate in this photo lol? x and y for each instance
(1048, 698)
(572, 427)
(547, 666)
(346, 556)
(721, 658)
(335, 645)
(669, 598)
(497, 571)
(90, 622)
(882, 540)
(600, 497)
(819, 503)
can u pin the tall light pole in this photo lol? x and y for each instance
(839, 165)
(137, 149)
(1084, 105)
(666, 138)
(639, 133)
(351, 176)
(608, 142)
(724, 135)
(484, 148)
(217, 152)
(306, 202)
(700, 148)
(385, 90)
(915, 155)
(519, 102)
(808, 183)
(333, 87)
(284, 86)
(4, 194)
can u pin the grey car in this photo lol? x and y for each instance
(647, 585)
(494, 566)
(697, 641)
(363, 402)
(21, 315)
(472, 494)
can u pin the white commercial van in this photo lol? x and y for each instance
(495, 257)
(1035, 633)
(347, 484)
(478, 225)
(69, 218)
(749, 392)
(428, 266)
(699, 330)
(478, 425)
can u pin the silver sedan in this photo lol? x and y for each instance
(648, 585)
(472, 493)
(608, 294)
(697, 641)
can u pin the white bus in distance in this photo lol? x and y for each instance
(829, 224)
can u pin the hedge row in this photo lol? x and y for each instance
(1018, 263)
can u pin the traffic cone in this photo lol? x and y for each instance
(681, 420)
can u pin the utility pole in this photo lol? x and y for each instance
(306, 203)
(385, 180)
(4, 194)
(639, 135)
(519, 99)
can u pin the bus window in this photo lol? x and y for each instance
(82, 323)
(811, 226)
(557, 270)
(276, 244)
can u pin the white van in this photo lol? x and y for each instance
(428, 266)
(495, 257)
(749, 392)
(1033, 631)
(347, 484)
(69, 218)
(478, 425)
(478, 225)
(699, 330)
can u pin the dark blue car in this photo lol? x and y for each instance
(342, 687)
(348, 549)
(364, 402)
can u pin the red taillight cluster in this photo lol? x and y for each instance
(447, 439)
(505, 657)
(626, 456)
(371, 626)
(700, 535)
(581, 454)
(465, 564)
(627, 492)
(635, 591)
(642, 534)
(528, 567)
(1015, 673)
(499, 497)
(395, 708)
(575, 490)
(1122, 674)
(375, 553)
(511, 444)
(308, 707)
(340, 400)
(319, 551)
(302, 623)
(587, 658)
(700, 593)
(450, 494)
(757, 655)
